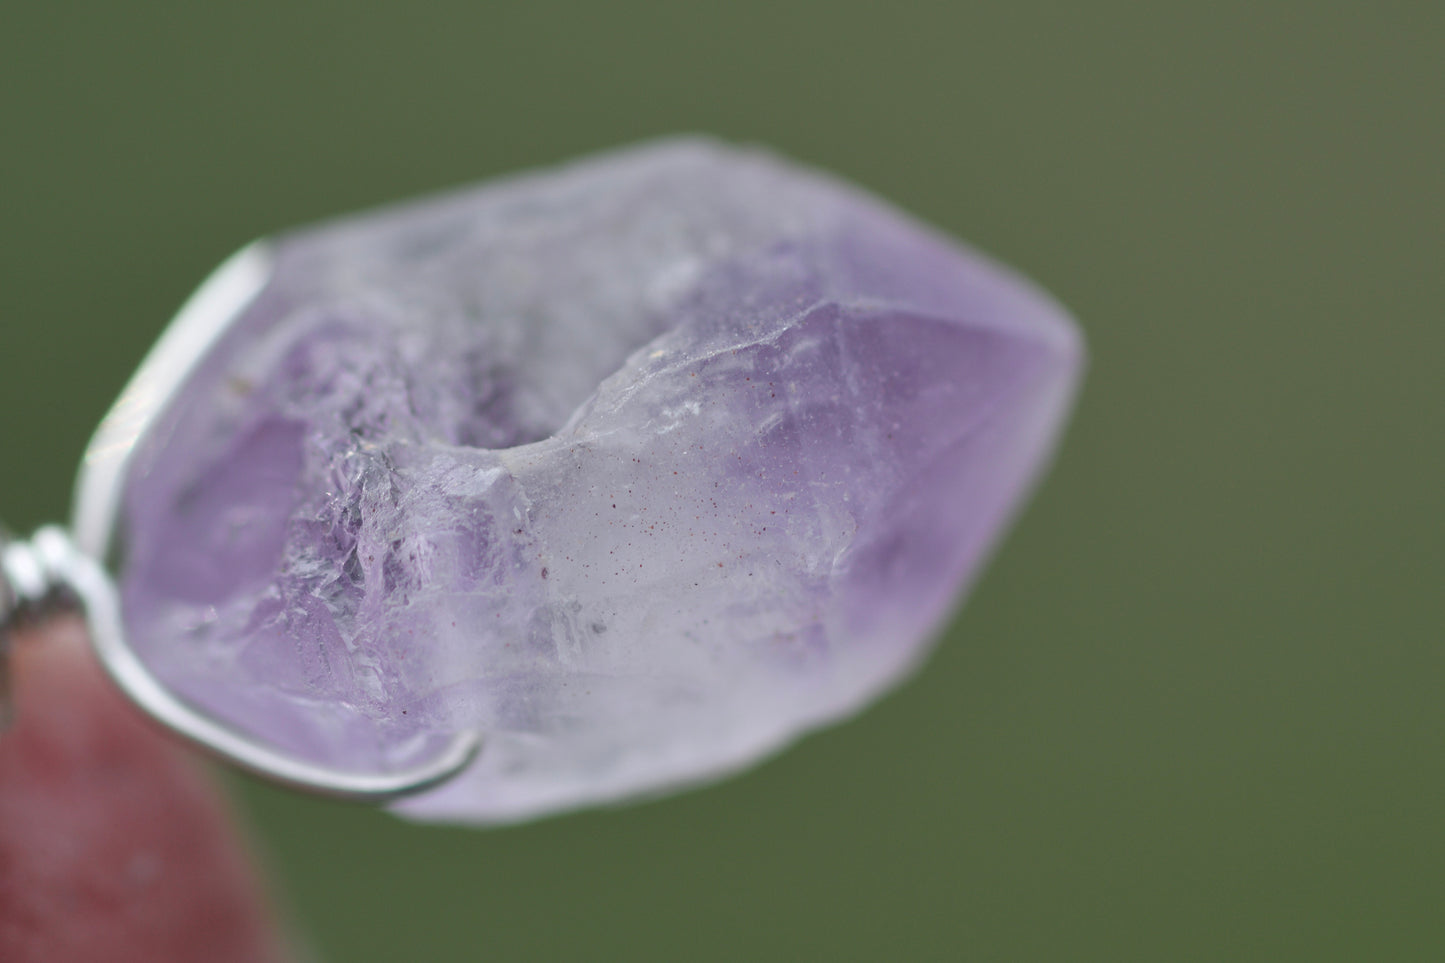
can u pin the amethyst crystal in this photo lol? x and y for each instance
(642, 466)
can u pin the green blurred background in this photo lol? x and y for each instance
(1193, 711)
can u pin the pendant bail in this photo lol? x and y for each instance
(30, 587)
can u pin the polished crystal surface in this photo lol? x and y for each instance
(642, 465)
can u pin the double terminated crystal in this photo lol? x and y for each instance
(641, 466)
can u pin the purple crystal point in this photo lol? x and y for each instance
(641, 466)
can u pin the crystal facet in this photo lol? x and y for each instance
(643, 466)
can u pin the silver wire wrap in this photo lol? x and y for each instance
(54, 570)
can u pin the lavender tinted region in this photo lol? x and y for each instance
(643, 466)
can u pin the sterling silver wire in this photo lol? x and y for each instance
(58, 566)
